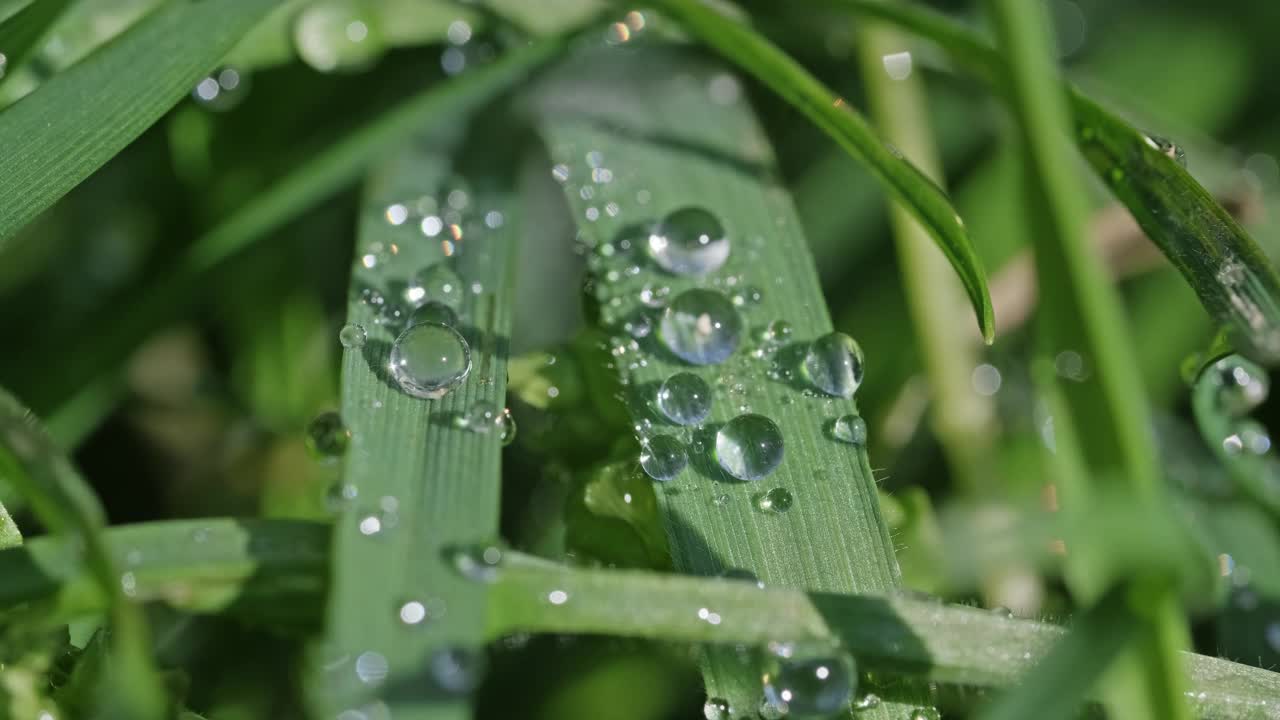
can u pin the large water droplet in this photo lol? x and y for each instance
(811, 687)
(1242, 385)
(662, 457)
(701, 327)
(850, 429)
(429, 359)
(834, 364)
(685, 399)
(336, 35)
(749, 447)
(689, 241)
(327, 436)
(438, 284)
(352, 336)
(777, 500)
(716, 709)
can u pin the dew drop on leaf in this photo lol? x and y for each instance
(372, 668)
(662, 457)
(835, 365)
(749, 447)
(481, 563)
(701, 327)
(777, 500)
(689, 241)
(716, 709)
(685, 399)
(429, 359)
(327, 436)
(810, 687)
(352, 335)
(851, 429)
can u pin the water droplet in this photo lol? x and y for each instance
(412, 612)
(327, 436)
(352, 335)
(638, 326)
(685, 399)
(655, 296)
(850, 429)
(336, 35)
(776, 333)
(866, 702)
(810, 687)
(436, 284)
(689, 241)
(372, 668)
(434, 312)
(716, 709)
(749, 447)
(662, 457)
(748, 297)
(339, 496)
(1242, 385)
(429, 359)
(222, 90)
(701, 327)
(898, 65)
(777, 500)
(1168, 147)
(476, 562)
(834, 364)
(506, 427)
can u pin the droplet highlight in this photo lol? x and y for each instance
(749, 447)
(429, 359)
(662, 457)
(689, 241)
(835, 365)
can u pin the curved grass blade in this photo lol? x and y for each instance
(106, 343)
(635, 136)
(948, 644)
(66, 505)
(262, 570)
(82, 117)
(1225, 393)
(1236, 283)
(424, 482)
(920, 195)
(21, 34)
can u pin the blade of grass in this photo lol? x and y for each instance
(1230, 274)
(20, 35)
(1224, 394)
(10, 536)
(62, 500)
(440, 480)
(105, 345)
(642, 124)
(913, 188)
(87, 114)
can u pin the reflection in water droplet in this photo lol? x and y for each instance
(689, 241)
(777, 500)
(662, 457)
(352, 335)
(835, 365)
(850, 429)
(429, 359)
(685, 399)
(749, 447)
(810, 687)
(327, 436)
(701, 327)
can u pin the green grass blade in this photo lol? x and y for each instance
(105, 344)
(913, 188)
(948, 644)
(86, 115)
(666, 145)
(261, 570)
(1230, 274)
(1224, 394)
(10, 536)
(62, 500)
(443, 479)
(21, 34)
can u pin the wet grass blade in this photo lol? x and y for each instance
(1224, 394)
(66, 505)
(912, 188)
(1236, 283)
(636, 136)
(20, 35)
(425, 482)
(264, 571)
(105, 344)
(87, 114)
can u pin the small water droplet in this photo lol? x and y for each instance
(1242, 385)
(219, 91)
(777, 500)
(481, 563)
(835, 365)
(372, 668)
(352, 335)
(749, 447)
(851, 429)
(412, 612)
(701, 327)
(429, 359)
(662, 457)
(327, 436)
(685, 399)
(716, 709)
(655, 296)
(775, 333)
(560, 172)
(810, 687)
(689, 241)
(866, 702)
(336, 35)
(437, 284)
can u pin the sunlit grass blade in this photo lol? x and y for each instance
(1233, 278)
(947, 644)
(20, 34)
(917, 193)
(636, 136)
(103, 346)
(66, 505)
(91, 111)
(263, 571)
(420, 479)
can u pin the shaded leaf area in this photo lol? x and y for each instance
(636, 134)
(1233, 278)
(21, 33)
(419, 480)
